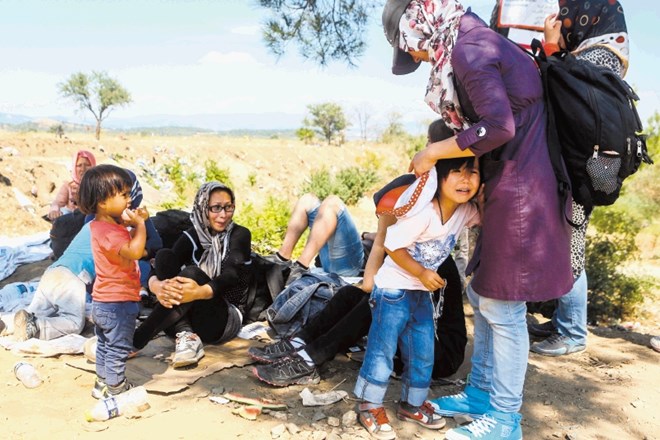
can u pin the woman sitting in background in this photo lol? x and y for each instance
(66, 199)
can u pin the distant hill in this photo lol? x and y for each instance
(264, 125)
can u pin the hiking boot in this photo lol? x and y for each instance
(25, 325)
(472, 402)
(271, 352)
(422, 415)
(297, 271)
(188, 351)
(655, 343)
(375, 421)
(557, 345)
(100, 390)
(118, 389)
(291, 370)
(493, 425)
(542, 330)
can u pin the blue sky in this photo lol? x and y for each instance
(196, 57)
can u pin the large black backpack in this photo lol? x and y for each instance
(594, 131)
(170, 224)
(63, 230)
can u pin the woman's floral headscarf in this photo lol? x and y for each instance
(215, 245)
(432, 26)
(585, 24)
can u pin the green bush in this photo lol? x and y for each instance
(267, 224)
(252, 179)
(306, 135)
(612, 294)
(213, 172)
(320, 183)
(349, 184)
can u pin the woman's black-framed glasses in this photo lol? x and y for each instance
(218, 208)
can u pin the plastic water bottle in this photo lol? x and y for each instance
(27, 374)
(128, 402)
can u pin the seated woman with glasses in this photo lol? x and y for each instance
(202, 282)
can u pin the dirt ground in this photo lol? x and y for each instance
(610, 391)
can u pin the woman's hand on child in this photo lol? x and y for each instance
(431, 280)
(421, 163)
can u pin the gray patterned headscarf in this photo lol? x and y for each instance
(215, 245)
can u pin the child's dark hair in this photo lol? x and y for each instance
(438, 131)
(100, 183)
(444, 166)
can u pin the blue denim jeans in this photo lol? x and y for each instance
(114, 327)
(343, 254)
(570, 317)
(403, 317)
(501, 346)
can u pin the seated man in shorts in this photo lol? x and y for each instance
(333, 236)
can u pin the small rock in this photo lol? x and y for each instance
(319, 435)
(318, 415)
(333, 421)
(333, 436)
(279, 415)
(292, 428)
(349, 419)
(217, 391)
(278, 430)
(462, 419)
(547, 402)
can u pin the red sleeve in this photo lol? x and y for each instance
(550, 48)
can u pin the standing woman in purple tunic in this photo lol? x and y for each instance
(490, 93)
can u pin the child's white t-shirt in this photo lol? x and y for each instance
(428, 241)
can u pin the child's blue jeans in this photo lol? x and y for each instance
(114, 327)
(403, 317)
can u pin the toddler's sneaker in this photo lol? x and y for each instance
(422, 415)
(188, 351)
(271, 352)
(375, 421)
(25, 325)
(493, 425)
(118, 389)
(472, 402)
(100, 390)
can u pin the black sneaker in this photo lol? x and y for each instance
(25, 325)
(118, 389)
(271, 352)
(297, 271)
(291, 370)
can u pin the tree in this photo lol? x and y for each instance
(363, 113)
(324, 30)
(328, 120)
(97, 92)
